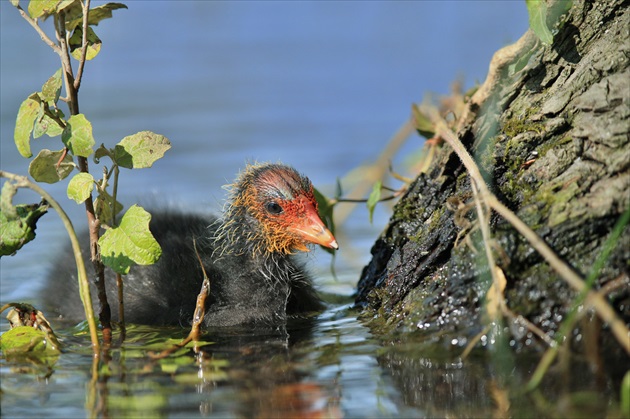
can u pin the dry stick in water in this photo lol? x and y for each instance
(597, 301)
(200, 312)
(200, 307)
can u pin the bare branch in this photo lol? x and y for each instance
(42, 34)
(84, 44)
(60, 30)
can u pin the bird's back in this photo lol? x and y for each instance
(243, 289)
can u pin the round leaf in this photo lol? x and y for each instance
(24, 340)
(47, 125)
(77, 136)
(140, 150)
(130, 242)
(42, 7)
(76, 42)
(80, 187)
(44, 168)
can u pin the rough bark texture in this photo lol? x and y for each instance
(570, 105)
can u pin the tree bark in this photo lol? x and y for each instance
(553, 142)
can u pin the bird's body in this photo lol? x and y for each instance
(246, 253)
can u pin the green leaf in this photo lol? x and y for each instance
(77, 136)
(140, 150)
(29, 109)
(80, 187)
(103, 206)
(96, 15)
(64, 4)
(52, 88)
(38, 8)
(373, 199)
(422, 123)
(17, 224)
(44, 168)
(47, 125)
(76, 42)
(338, 189)
(73, 11)
(537, 10)
(130, 242)
(325, 209)
(23, 340)
(101, 152)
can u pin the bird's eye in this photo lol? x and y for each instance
(273, 208)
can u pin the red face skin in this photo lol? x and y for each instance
(284, 204)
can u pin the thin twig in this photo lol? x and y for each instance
(487, 237)
(38, 29)
(66, 63)
(84, 45)
(358, 201)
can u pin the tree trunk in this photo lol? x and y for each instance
(553, 142)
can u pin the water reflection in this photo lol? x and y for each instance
(311, 368)
(328, 366)
(271, 374)
(491, 383)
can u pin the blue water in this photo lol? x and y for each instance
(318, 85)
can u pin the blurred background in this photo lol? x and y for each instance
(318, 85)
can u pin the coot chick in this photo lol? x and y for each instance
(248, 255)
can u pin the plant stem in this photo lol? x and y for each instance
(84, 45)
(93, 223)
(39, 30)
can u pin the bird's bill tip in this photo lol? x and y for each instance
(312, 229)
(316, 233)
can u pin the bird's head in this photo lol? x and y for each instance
(275, 208)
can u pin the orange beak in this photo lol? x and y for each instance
(311, 228)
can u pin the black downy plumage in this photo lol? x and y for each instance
(248, 255)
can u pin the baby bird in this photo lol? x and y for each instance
(247, 254)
